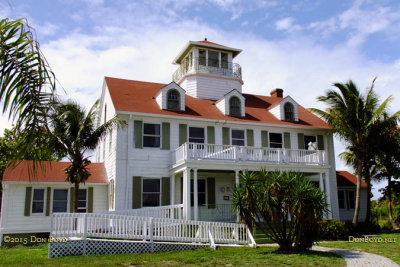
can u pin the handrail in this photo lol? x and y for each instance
(168, 212)
(96, 225)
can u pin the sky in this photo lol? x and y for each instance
(300, 46)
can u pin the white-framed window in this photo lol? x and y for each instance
(289, 111)
(151, 192)
(82, 200)
(202, 57)
(201, 192)
(196, 135)
(224, 60)
(275, 140)
(310, 142)
(173, 99)
(60, 200)
(151, 135)
(213, 58)
(238, 137)
(346, 199)
(235, 106)
(38, 201)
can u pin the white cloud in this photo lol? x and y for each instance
(287, 24)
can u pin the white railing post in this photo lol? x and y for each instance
(252, 241)
(210, 236)
(151, 234)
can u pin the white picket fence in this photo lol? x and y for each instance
(116, 226)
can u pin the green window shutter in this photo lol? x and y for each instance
(226, 136)
(90, 199)
(264, 138)
(71, 199)
(165, 136)
(137, 192)
(210, 135)
(28, 197)
(300, 138)
(320, 141)
(211, 192)
(165, 194)
(138, 130)
(48, 199)
(182, 134)
(250, 137)
(286, 137)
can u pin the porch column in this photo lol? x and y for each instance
(237, 183)
(328, 194)
(172, 190)
(195, 196)
(186, 194)
(321, 182)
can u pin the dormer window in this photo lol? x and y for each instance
(234, 106)
(289, 111)
(173, 97)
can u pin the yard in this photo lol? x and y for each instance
(223, 256)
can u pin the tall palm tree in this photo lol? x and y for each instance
(27, 85)
(355, 118)
(74, 134)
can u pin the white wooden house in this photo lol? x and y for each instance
(184, 147)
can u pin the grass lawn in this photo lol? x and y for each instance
(389, 250)
(223, 256)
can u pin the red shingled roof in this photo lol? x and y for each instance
(52, 172)
(138, 96)
(210, 43)
(344, 178)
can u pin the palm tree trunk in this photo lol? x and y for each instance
(394, 224)
(76, 197)
(368, 181)
(357, 208)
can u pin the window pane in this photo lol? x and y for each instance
(196, 132)
(60, 194)
(151, 200)
(351, 199)
(202, 57)
(213, 59)
(37, 207)
(341, 199)
(275, 137)
(38, 194)
(237, 142)
(151, 185)
(201, 185)
(152, 129)
(82, 194)
(151, 141)
(310, 142)
(202, 199)
(59, 206)
(224, 60)
(238, 134)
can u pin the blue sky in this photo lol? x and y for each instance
(300, 46)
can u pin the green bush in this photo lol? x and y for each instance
(333, 230)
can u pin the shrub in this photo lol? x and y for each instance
(286, 206)
(333, 230)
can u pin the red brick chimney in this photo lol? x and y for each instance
(277, 93)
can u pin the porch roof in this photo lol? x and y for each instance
(344, 178)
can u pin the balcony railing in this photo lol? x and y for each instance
(242, 154)
(216, 213)
(198, 65)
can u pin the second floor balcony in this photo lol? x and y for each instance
(194, 152)
(203, 66)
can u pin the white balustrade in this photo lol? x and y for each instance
(195, 151)
(167, 212)
(106, 225)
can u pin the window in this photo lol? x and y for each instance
(60, 197)
(201, 192)
(275, 140)
(213, 59)
(202, 57)
(351, 199)
(238, 137)
(224, 60)
(173, 100)
(196, 135)
(341, 199)
(38, 201)
(151, 192)
(151, 135)
(310, 142)
(82, 200)
(289, 111)
(234, 106)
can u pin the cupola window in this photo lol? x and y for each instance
(173, 100)
(234, 106)
(289, 112)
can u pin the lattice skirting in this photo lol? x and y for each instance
(99, 247)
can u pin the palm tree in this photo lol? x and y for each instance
(355, 118)
(74, 134)
(27, 85)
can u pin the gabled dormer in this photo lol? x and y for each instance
(171, 97)
(286, 109)
(232, 104)
(206, 70)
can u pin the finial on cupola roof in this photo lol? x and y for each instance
(205, 39)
